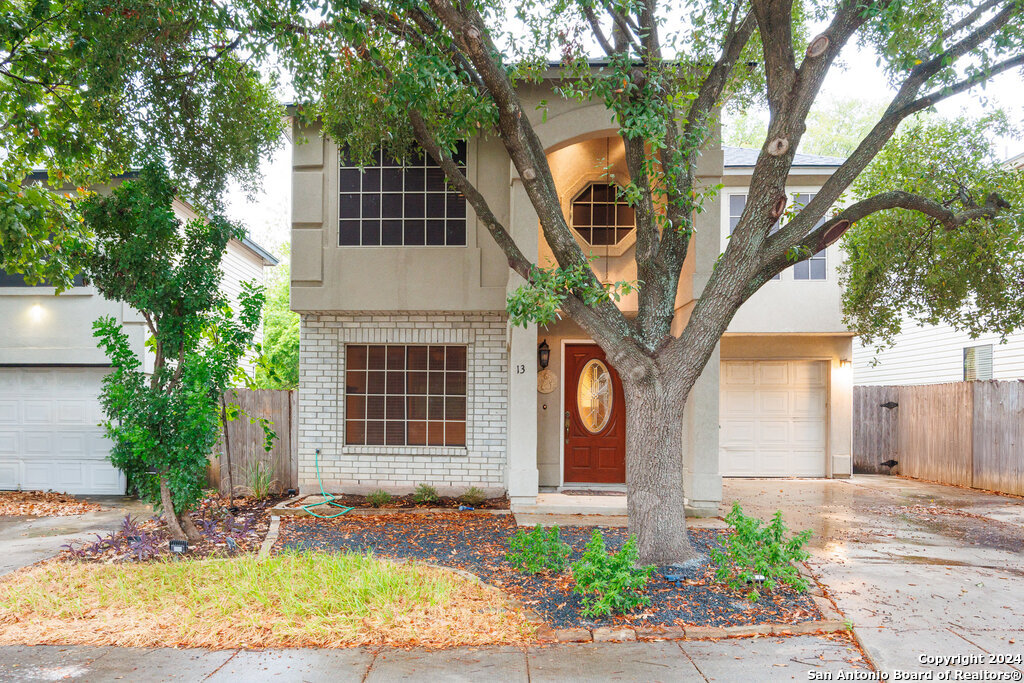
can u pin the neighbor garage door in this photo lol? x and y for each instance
(773, 418)
(50, 436)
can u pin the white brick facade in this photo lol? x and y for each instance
(398, 469)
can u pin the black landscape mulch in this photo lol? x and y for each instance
(477, 543)
(408, 501)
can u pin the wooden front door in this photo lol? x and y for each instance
(595, 418)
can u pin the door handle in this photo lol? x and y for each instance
(567, 426)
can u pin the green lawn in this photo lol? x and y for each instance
(288, 600)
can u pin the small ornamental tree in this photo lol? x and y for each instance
(164, 423)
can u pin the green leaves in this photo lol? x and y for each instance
(905, 268)
(760, 558)
(165, 424)
(610, 583)
(540, 300)
(538, 551)
(90, 89)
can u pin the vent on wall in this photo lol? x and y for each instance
(977, 362)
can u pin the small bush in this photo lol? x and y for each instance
(610, 583)
(425, 493)
(473, 497)
(538, 551)
(753, 551)
(259, 480)
(378, 498)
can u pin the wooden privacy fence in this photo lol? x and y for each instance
(246, 440)
(964, 433)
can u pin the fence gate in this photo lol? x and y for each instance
(245, 438)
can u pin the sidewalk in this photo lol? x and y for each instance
(742, 659)
(922, 570)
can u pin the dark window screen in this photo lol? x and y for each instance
(405, 395)
(600, 216)
(394, 204)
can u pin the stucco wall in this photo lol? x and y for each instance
(787, 305)
(327, 277)
(360, 469)
(831, 348)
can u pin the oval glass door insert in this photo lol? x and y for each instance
(594, 396)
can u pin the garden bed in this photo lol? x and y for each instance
(227, 528)
(43, 504)
(477, 543)
(399, 503)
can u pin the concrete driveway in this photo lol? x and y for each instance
(27, 540)
(922, 570)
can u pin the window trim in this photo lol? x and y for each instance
(730, 191)
(332, 183)
(425, 448)
(986, 361)
(570, 194)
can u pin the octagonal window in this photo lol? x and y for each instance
(601, 216)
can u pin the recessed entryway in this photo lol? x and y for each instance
(774, 418)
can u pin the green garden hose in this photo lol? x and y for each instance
(328, 498)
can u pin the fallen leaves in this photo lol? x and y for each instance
(43, 504)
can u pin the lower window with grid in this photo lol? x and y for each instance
(398, 395)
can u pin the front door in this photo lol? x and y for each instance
(595, 418)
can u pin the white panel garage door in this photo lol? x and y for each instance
(773, 418)
(49, 433)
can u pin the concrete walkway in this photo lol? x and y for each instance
(921, 569)
(27, 540)
(746, 659)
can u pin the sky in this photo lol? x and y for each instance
(265, 214)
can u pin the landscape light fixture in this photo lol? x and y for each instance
(179, 547)
(543, 354)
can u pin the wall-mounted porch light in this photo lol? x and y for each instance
(543, 354)
(845, 363)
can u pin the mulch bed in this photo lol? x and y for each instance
(227, 528)
(477, 543)
(43, 504)
(406, 502)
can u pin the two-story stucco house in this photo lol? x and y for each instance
(411, 373)
(51, 372)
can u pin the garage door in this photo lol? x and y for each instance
(49, 433)
(773, 418)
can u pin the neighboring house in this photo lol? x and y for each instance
(50, 374)
(410, 372)
(930, 354)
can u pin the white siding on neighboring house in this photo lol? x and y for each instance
(930, 355)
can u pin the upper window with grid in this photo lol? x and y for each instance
(391, 203)
(813, 268)
(600, 216)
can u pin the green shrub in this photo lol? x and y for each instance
(538, 551)
(425, 493)
(753, 551)
(610, 582)
(473, 497)
(378, 498)
(259, 479)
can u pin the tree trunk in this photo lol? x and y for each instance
(190, 528)
(654, 468)
(227, 445)
(168, 505)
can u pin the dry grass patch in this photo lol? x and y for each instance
(288, 600)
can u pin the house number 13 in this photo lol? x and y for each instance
(520, 369)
